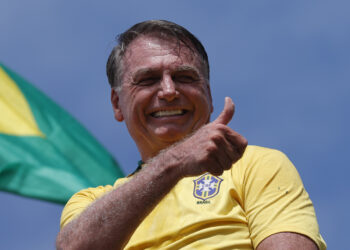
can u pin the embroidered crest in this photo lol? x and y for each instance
(206, 186)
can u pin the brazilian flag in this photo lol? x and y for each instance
(44, 152)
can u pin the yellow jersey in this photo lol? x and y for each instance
(262, 194)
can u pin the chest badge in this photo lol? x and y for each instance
(206, 186)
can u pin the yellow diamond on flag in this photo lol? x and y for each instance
(16, 117)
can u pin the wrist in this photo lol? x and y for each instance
(167, 166)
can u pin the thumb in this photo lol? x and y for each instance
(227, 113)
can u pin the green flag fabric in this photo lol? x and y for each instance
(44, 152)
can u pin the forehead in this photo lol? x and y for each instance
(154, 52)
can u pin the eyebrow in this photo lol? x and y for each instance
(181, 68)
(143, 71)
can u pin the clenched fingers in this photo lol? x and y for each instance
(230, 148)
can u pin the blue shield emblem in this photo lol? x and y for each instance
(206, 186)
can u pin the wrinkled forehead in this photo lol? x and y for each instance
(152, 45)
(158, 41)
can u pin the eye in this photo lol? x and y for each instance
(147, 81)
(185, 79)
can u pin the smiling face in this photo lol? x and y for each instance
(164, 94)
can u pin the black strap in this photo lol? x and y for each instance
(139, 166)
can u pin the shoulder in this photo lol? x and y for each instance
(263, 168)
(263, 161)
(253, 153)
(273, 196)
(90, 193)
(82, 199)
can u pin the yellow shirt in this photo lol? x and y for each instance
(260, 195)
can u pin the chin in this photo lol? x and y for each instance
(171, 136)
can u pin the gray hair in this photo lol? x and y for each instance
(160, 28)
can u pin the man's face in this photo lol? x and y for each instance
(164, 94)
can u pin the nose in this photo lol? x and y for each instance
(167, 89)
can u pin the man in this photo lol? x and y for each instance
(187, 194)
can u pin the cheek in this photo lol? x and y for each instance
(204, 99)
(199, 95)
(138, 101)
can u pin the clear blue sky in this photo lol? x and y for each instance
(286, 65)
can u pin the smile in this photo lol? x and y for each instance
(164, 113)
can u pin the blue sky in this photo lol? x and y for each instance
(286, 65)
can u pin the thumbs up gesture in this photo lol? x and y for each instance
(226, 115)
(213, 148)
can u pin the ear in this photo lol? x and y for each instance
(118, 115)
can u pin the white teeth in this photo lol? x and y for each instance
(167, 113)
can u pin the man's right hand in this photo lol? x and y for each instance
(213, 148)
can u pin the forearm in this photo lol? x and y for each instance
(110, 221)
